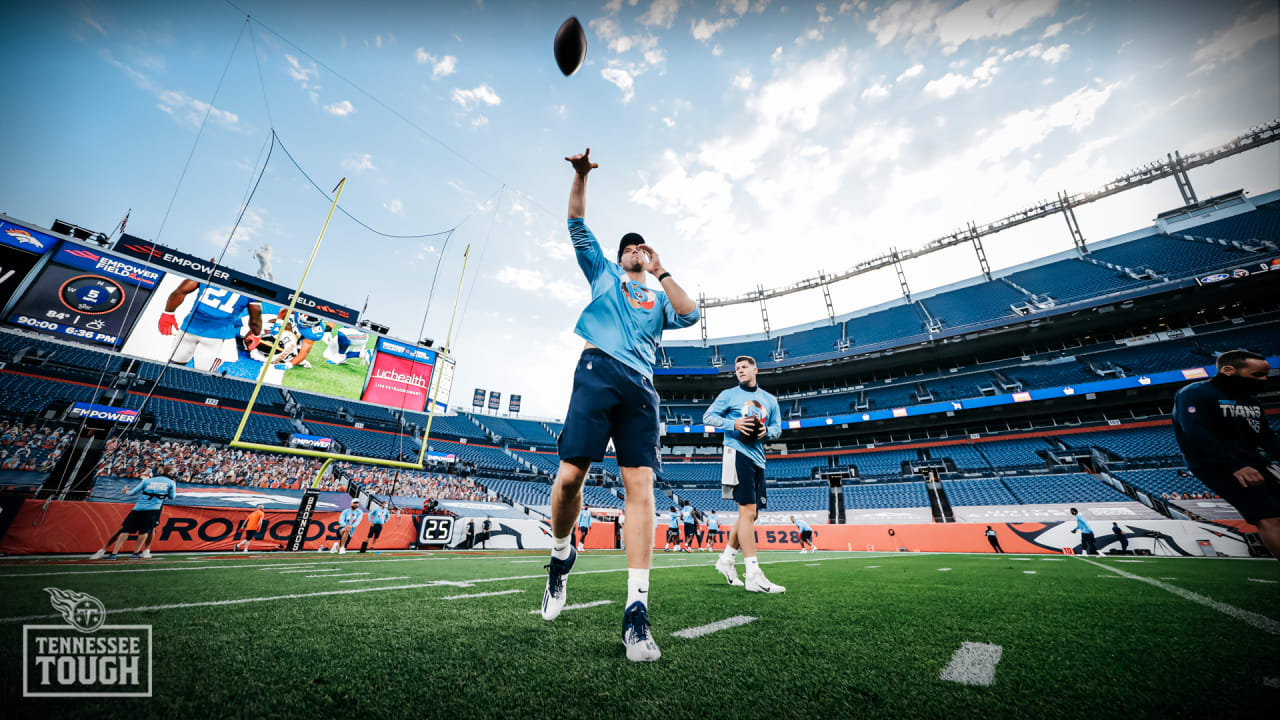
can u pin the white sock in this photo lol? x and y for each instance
(753, 564)
(730, 552)
(561, 546)
(637, 586)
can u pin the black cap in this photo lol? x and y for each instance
(627, 241)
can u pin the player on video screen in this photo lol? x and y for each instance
(209, 331)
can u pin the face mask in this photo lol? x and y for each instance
(1239, 385)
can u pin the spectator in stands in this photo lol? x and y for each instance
(1228, 444)
(1087, 543)
(995, 542)
(1119, 533)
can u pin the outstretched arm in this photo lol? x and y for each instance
(578, 192)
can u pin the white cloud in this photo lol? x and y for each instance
(247, 232)
(479, 121)
(742, 80)
(1052, 55)
(777, 53)
(88, 20)
(177, 104)
(1056, 28)
(977, 19)
(623, 79)
(358, 162)
(911, 72)
(904, 18)
(303, 75)
(440, 67)
(1056, 54)
(952, 83)
(562, 111)
(1233, 42)
(876, 91)
(479, 95)
(717, 50)
(395, 207)
(703, 29)
(660, 12)
(669, 122)
(535, 281)
(701, 201)
(342, 108)
(823, 17)
(737, 7)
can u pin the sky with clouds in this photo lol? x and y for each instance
(753, 142)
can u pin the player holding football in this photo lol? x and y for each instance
(348, 521)
(748, 416)
(213, 322)
(613, 396)
(144, 517)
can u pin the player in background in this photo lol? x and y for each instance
(991, 538)
(713, 530)
(144, 516)
(348, 521)
(584, 525)
(1223, 433)
(208, 334)
(485, 528)
(673, 529)
(249, 526)
(690, 525)
(1087, 543)
(748, 416)
(343, 344)
(377, 518)
(613, 397)
(806, 534)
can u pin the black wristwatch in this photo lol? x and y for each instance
(664, 276)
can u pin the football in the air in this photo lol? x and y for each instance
(570, 46)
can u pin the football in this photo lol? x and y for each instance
(570, 46)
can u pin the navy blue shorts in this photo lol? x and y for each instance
(741, 480)
(1253, 503)
(140, 521)
(611, 400)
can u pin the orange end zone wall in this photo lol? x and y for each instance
(82, 527)
(952, 537)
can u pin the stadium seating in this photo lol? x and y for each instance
(1260, 224)
(1013, 454)
(485, 456)
(981, 302)
(966, 457)
(525, 432)
(1071, 280)
(1064, 488)
(1172, 257)
(545, 462)
(883, 463)
(598, 497)
(793, 468)
(691, 473)
(901, 323)
(982, 491)
(1132, 444)
(526, 492)
(371, 443)
(457, 426)
(887, 495)
(1163, 482)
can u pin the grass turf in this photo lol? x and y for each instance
(847, 639)
(345, 380)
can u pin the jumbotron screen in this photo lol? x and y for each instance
(401, 376)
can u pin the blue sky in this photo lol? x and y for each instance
(753, 143)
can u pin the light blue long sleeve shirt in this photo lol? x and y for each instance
(674, 521)
(1083, 526)
(378, 516)
(624, 319)
(713, 522)
(155, 491)
(803, 526)
(734, 403)
(351, 518)
(584, 518)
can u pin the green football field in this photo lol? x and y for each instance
(856, 635)
(345, 380)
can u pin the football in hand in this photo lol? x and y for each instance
(757, 428)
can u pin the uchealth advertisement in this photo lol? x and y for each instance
(209, 329)
(401, 376)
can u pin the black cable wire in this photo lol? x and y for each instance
(262, 83)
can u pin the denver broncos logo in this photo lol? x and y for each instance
(638, 296)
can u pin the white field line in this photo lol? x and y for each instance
(812, 564)
(1262, 622)
(697, 632)
(377, 579)
(973, 664)
(306, 570)
(1260, 580)
(1028, 572)
(944, 569)
(476, 595)
(336, 575)
(579, 606)
(413, 586)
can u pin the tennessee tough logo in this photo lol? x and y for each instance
(639, 297)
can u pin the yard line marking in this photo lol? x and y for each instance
(1262, 622)
(1168, 578)
(812, 564)
(1131, 561)
(476, 595)
(541, 560)
(973, 664)
(1025, 559)
(349, 591)
(697, 632)
(1028, 572)
(871, 567)
(1260, 580)
(1053, 559)
(579, 606)
(378, 579)
(336, 575)
(944, 569)
(302, 570)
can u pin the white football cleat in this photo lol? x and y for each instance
(636, 636)
(98, 555)
(146, 554)
(757, 582)
(727, 570)
(554, 595)
(342, 550)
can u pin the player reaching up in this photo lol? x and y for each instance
(211, 325)
(144, 517)
(748, 416)
(613, 396)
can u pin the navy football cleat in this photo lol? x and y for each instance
(636, 637)
(557, 577)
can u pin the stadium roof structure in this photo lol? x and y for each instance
(1175, 165)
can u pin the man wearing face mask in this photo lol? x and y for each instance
(1228, 445)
